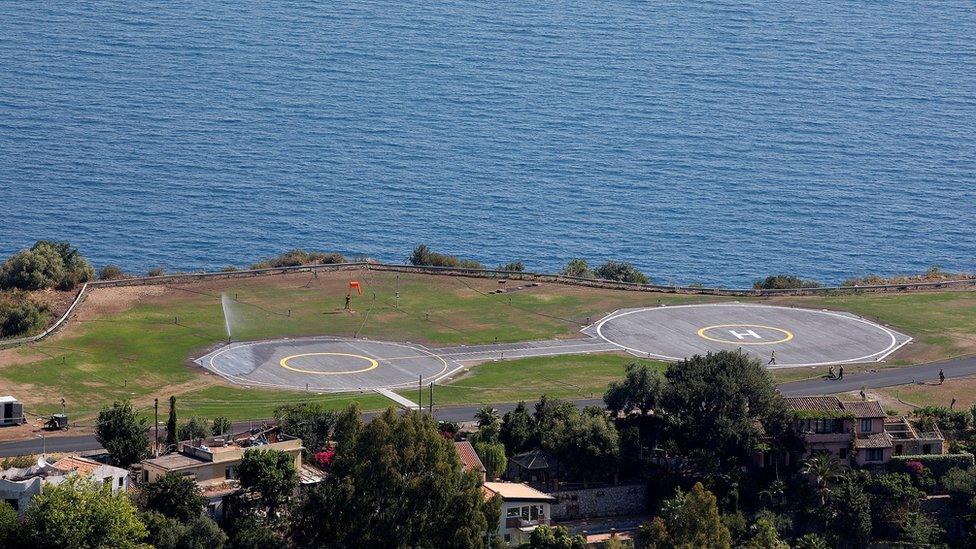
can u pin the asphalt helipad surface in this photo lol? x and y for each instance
(325, 364)
(797, 337)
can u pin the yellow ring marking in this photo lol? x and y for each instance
(787, 335)
(372, 364)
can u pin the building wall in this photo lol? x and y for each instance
(627, 499)
(509, 529)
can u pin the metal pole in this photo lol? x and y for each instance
(431, 403)
(420, 393)
(156, 414)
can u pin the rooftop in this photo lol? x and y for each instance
(865, 409)
(533, 459)
(172, 462)
(78, 464)
(814, 403)
(874, 440)
(6, 399)
(469, 458)
(515, 491)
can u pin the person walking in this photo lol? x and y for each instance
(841, 373)
(830, 372)
(772, 358)
(348, 297)
(941, 376)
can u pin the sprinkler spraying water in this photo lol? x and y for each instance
(225, 303)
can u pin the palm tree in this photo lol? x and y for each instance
(487, 415)
(823, 469)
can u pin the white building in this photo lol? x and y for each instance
(11, 411)
(18, 486)
(523, 509)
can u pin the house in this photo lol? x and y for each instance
(213, 462)
(11, 411)
(858, 432)
(19, 485)
(523, 509)
(469, 459)
(531, 466)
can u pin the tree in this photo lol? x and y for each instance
(489, 425)
(220, 426)
(517, 429)
(171, 430)
(550, 410)
(270, 474)
(919, 530)
(9, 524)
(689, 519)
(46, 264)
(199, 532)
(77, 514)
(492, 456)
(765, 537)
(309, 421)
(810, 541)
(397, 483)
(620, 271)
(716, 404)
(640, 390)
(850, 507)
(194, 428)
(586, 444)
(558, 537)
(174, 496)
(895, 497)
(122, 434)
(21, 315)
(577, 268)
(348, 424)
(824, 470)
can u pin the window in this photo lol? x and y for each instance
(926, 449)
(121, 481)
(866, 425)
(899, 449)
(230, 472)
(514, 512)
(875, 454)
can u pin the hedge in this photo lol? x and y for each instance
(939, 464)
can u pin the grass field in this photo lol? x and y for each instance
(572, 377)
(135, 342)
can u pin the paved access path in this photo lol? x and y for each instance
(889, 377)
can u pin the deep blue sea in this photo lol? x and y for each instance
(707, 142)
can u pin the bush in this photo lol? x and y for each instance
(620, 271)
(938, 464)
(946, 419)
(45, 265)
(514, 266)
(578, 268)
(20, 315)
(157, 271)
(111, 272)
(298, 258)
(784, 282)
(422, 256)
(195, 428)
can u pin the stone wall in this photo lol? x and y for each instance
(606, 501)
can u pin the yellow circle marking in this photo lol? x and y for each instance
(787, 335)
(372, 364)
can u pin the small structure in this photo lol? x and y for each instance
(19, 485)
(523, 509)
(469, 459)
(531, 466)
(910, 440)
(11, 411)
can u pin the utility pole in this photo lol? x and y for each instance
(431, 403)
(420, 393)
(156, 416)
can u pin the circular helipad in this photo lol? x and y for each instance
(795, 337)
(325, 364)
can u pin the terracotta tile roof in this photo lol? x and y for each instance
(515, 491)
(814, 403)
(469, 458)
(873, 440)
(77, 464)
(865, 409)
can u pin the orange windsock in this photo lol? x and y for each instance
(354, 285)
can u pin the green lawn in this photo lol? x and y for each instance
(572, 376)
(139, 349)
(237, 404)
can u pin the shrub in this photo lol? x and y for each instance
(111, 272)
(578, 268)
(297, 258)
(45, 265)
(514, 266)
(938, 464)
(20, 315)
(784, 282)
(156, 271)
(946, 419)
(422, 256)
(324, 458)
(620, 271)
(195, 428)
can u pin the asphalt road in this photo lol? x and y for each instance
(923, 373)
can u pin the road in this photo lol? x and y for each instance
(890, 377)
